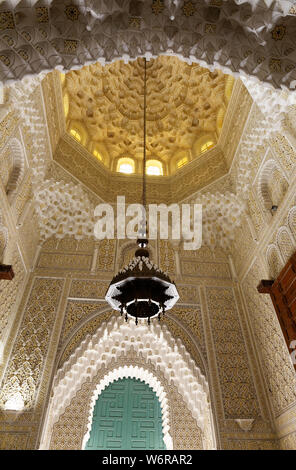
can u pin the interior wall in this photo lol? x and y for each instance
(19, 231)
(45, 308)
(183, 429)
(60, 308)
(262, 247)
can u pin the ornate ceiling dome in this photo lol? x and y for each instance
(186, 105)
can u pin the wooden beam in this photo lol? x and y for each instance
(6, 272)
(265, 286)
(282, 291)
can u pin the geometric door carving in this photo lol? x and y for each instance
(127, 415)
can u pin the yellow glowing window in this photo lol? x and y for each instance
(97, 154)
(76, 134)
(208, 145)
(182, 162)
(66, 104)
(63, 78)
(126, 165)
(154, 167)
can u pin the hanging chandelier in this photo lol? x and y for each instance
(141, 290)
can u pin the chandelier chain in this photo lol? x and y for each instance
(144, 228)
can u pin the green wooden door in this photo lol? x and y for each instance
(127, 415)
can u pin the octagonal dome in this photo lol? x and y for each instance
(186, 105)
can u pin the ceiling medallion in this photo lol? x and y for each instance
(141, 290)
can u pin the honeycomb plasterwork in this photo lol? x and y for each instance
(182, 104)
(162, 193)
(195, 381)
(58, 199)
(184, 436)
(83, 166)
(112, 31)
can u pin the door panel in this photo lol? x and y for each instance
(127, 415)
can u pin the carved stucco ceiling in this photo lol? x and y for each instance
(186, 105)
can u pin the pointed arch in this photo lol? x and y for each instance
(18, 166)
(272, 185)
(133, 372)
(112, 341)
(274, 261)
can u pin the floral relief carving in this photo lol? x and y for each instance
(9, 290)
(88, 288)
(277, 367)
(201, 270)
(25, 366)
(76, 312)
(105, 259)
(80, 262)
(238, 392)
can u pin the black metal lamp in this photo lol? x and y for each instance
(141, 289)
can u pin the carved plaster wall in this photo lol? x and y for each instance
(260, 252)
(238, 37)
(72, 291)
(180, 429)
(64, 294)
